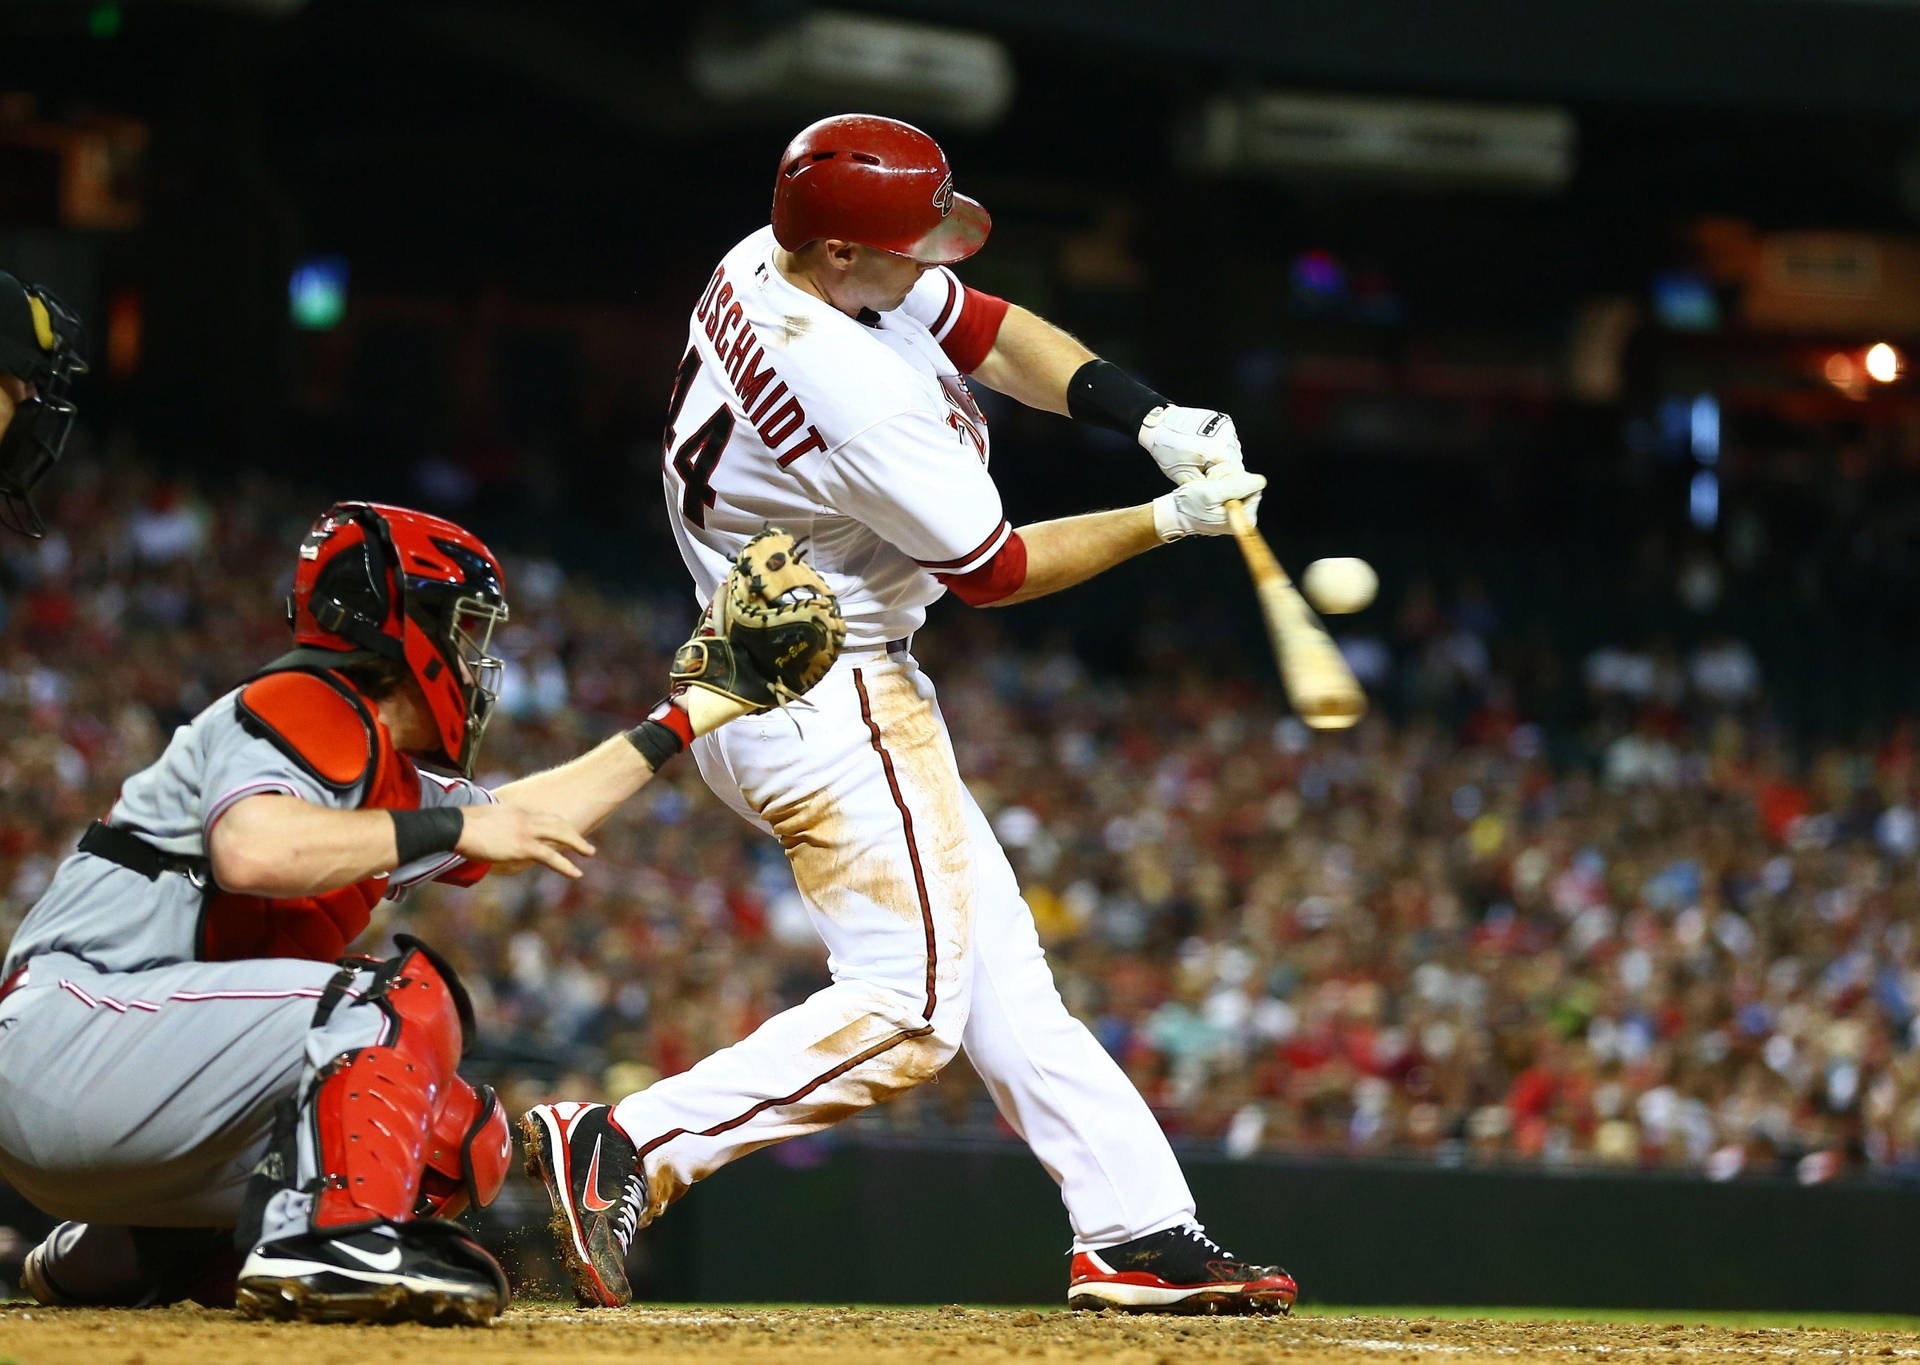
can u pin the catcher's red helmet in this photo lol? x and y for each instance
(415, 589)
(876, 181)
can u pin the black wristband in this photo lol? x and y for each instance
(419, 833)
(656, 742)
(1102, 393)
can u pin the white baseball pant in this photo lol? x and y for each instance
(931, 950)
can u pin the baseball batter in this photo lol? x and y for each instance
(824, 391)
(180, 1055)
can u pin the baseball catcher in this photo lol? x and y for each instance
(218, 1104)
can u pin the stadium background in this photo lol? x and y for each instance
(1559, 314)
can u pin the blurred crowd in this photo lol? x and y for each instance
(1664, 936)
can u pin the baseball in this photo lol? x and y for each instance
(1338, 586)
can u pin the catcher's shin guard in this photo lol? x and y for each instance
(468, 1152)
(373, 1109)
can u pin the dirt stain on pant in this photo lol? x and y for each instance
(836, 862)
(896, 1061)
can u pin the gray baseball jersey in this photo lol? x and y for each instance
(118, 920)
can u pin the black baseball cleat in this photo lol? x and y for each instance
(425, 1271)
(599, 1193)
(1179, 1270)
(125, 1267)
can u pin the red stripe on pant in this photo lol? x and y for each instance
(906, 825)
(884, 1045)
(926, 918)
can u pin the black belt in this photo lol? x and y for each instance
(137, 855)
(899, 646)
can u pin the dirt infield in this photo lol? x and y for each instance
(832, 1336)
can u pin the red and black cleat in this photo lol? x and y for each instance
(599, 1194)
(1179, 1270)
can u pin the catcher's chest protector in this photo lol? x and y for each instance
(326, 727)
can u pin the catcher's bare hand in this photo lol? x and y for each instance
(772, 632)
(510, 836)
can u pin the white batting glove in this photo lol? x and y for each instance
(1191, 443)
(1199, 506)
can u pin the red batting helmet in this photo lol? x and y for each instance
(876, 181)
(417, 590)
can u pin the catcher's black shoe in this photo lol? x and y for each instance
(38, 1283)
(425, 1271)
(1179, 1270)
(599, 1194)
(165, 1266)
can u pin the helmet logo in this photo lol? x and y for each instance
(318, 536)
(943, 197)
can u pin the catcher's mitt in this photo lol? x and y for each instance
(773, 630)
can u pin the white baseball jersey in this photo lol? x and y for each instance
(858, 437)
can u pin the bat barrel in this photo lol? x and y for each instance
(1323, 691)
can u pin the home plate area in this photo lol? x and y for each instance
(705, 1334)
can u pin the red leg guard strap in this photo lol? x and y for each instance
(374, 1109)
(468, 1153)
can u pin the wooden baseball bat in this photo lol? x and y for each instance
(1322, 688)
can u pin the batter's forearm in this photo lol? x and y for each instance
(1032, 360)
(283, 846)
(1073, 549)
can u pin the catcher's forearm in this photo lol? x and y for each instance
(1073, 549)
(1032, 360)
(585, 790)
(274, 845)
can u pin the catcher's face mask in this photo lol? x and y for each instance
(42, 352)
(459, 618)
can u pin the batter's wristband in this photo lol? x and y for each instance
(1102, 393)
(420, 833)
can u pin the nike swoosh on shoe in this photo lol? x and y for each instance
(590, 1199)
(378, 1260)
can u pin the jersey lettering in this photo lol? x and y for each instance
(695, 462)
(707, 298)
(776, 413)
(766, 404)
(775, 429)
(720, 337)
(720, 301)
(814, 441)
(861, 436)
(965, 417)
(753, 380)
(744, 343)
(682, 381)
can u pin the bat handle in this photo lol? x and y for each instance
(1260, 560)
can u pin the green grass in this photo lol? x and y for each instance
(1860, 1322)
